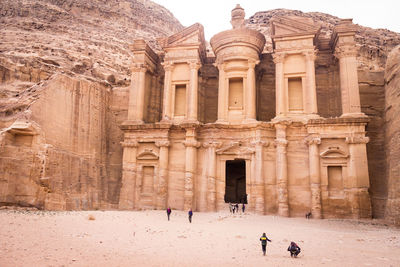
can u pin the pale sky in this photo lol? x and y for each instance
(215, 15)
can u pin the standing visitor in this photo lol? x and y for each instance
(264, 240)
(243, 207)
(237, 207)
(168, 212)
(230, 207)
(190, 213)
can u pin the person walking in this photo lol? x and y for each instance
(243, 207)
(168, 212)
(230, 207)
(264, 240)
(237, 207)
(190, 213)
(294, 249)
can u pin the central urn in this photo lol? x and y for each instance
(237, 52)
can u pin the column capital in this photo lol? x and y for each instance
(357, 139)
(310, 55)
(130, 143)
(220, 66)
(345, 51)
(252, 63)
(168, 65)
(281, 142)
(212, 144)
(191, 143)
(194, 64)
(260, 143)
(278, 57)
(313, 140)
(162, 143)
(139, 67)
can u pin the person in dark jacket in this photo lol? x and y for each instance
(190, 213)
(294, 249)
(243, 207)
(264, 240)
(168, 212)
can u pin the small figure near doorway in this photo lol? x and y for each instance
(243, 207)
(168, 212)
(294, 249)
(230, 207)
(237, 207)
(264, 240)
(308, 215)
(190, 213)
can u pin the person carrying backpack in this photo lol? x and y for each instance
(294, 249)
(264, 240)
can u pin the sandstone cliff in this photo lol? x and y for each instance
(392, 80)
(64, 72)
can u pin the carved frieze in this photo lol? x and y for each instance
(357, 139)
(191, 143)
(212, 144)
(162, 143)
(130, 143)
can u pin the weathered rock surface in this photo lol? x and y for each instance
(64, 72)
(392, 80)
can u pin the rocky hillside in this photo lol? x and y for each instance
(88, 38)
(374, 44)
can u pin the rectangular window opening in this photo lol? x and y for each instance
(295, 91)
(180, 100)
(236, 93)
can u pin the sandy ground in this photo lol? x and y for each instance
(146, 238)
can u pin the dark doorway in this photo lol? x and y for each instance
(235, 181)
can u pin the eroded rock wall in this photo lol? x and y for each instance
(392, 147)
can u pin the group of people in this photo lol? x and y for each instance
(190, 214)
(235, 207)
(293, 248)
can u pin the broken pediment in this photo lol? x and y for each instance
(192, 35)
(333, 153)
(293, 26)
(235, 148)
(147, 154)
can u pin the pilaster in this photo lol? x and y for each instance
(192, 107)
(281, 170)
(315, 177)
(279, 58)
(162, 196)
(191, 145)
(128, 186)
(167, 97)
(211, 163)
(222, 95)
(311, 91)
(258, 181)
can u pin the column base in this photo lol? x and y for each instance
(221, 121)
(353, 115)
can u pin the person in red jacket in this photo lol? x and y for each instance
(294, 249)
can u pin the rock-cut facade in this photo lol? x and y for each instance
(234, 123)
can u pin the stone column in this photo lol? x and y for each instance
(315, 177)
(162, 194)
(311, 91)
(136, 93)
(349, 80)
(191, 145)
(358, 176)
(211, 164)
(222, 95)
(167, 98)
(128, 185)
(281, 170)
(280, 84)
(193, 91)
(258, 187)
(251, 92)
